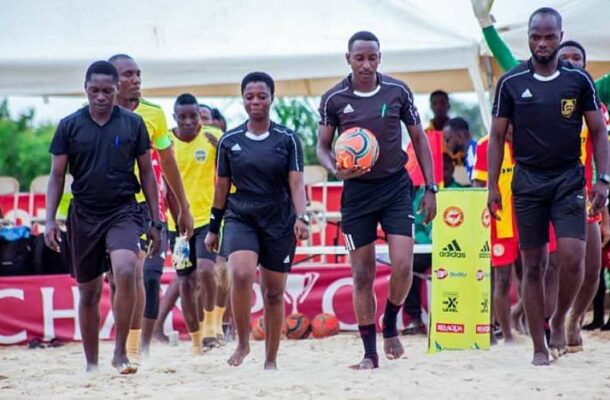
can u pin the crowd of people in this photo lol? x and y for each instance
(237, 198)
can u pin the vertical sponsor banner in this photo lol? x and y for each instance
(460, 306)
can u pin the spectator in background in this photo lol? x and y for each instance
(206, 113)
(440, 106)
(219, 120)
(448, 171)
(461, 148)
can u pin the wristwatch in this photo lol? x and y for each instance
(304, 217)
(432, 187)
(157, 225)
(605, 178)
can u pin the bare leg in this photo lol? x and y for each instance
(190, 307)
(89, 319)
(551, 289)
(207, 281)
(401, 257)
(242, 267)
(593, 264)
(124, 273)
(273, 285)
(168, 301)
(534, 266)
(363, 273)
(571, 266)
(501, 299)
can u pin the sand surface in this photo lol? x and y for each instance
(310, 369)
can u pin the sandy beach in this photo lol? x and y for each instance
(310, 369)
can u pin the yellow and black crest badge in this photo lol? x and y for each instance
(568, 106)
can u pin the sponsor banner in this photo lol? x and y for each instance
(460, 300)
(47, 306)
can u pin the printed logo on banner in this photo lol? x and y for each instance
(485, 250)
(486, 218)
(453, 216)
(485, 304)
(449, 328)
(450, 302)
(483, 329)
(441, 273)
(452, 250)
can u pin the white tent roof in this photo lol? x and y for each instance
(208, 46)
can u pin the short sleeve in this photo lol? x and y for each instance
(479, 171)
(588, 94)
(295, 153)
(504, 104)
(408, 112)
(223, 166)
(59, 143)
(161, 139)
(328, 116)
(142, 138)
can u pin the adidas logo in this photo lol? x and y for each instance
(485, 250)
(348, 109)
(236, 147)
(287, 260)
(452, 250)
(526, 94)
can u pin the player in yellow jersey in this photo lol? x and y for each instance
(195, 147)
(129, 97)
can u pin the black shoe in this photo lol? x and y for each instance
(593, 325)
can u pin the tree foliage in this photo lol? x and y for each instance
(300, 115)
(24, 148)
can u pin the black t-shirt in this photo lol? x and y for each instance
(101, 158)
(258, 166)
(380, 112)
(546, 113)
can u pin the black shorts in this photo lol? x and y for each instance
(91, 236)
(266, 228)
(541, 196)
(367, 203)
(197, 249)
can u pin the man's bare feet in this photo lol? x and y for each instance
(574, 339)
(241, 352)
(123, 365)
(558, 342)
(92, 368)
(368, 362)
(393, 348)
(270, 365)
(541, 359)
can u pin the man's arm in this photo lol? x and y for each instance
(172, 176)
(419, 140)
(55, 190)
(327, 157)
(151, 193)
(495, 155)
(597, 128)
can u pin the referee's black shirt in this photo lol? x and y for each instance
(546, 113)
(102, 158)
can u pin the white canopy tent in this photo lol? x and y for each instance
(208, 46)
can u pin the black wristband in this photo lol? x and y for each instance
(215, 220)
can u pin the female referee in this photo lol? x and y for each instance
(264, 216)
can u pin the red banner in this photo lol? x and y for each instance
(47, 306)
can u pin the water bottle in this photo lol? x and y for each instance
(180, 255)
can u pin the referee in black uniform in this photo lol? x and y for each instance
(101, 143)
(383, 195)
(546, 99)
(264, 216)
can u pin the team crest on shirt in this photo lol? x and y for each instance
(200, 155)
(498, 250)
(568, 106)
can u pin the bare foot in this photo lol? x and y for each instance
(270, 365)
(393, 348)
(367, 363)
(541, 359)
(210, 343)
(92, 368)
(509, 340)
(557, 342)
(123, 366)
(238, 356)
(557, 352)
(160, 337)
